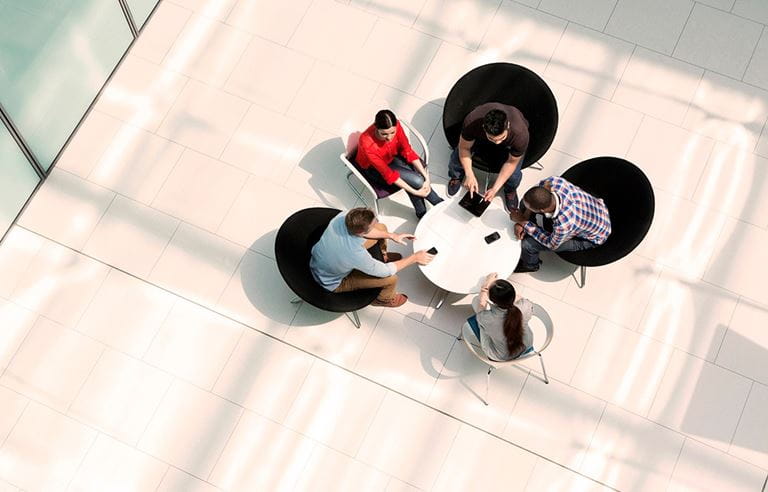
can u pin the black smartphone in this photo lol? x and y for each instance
(432, 250)
(492, 237)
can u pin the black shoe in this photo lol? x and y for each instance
(520, 268)
(453, 186)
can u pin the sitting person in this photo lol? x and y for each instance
(491, 128)
(579, 221)
(340, 262)
(386, 159)
(501, 325)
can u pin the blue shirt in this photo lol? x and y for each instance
(338, 252)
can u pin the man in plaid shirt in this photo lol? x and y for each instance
(579, 221)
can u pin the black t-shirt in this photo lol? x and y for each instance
(517, 138)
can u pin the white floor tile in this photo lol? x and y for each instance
(44, 449)
(700, 399)
(131, 236)
(725, 5)
(631, 453)
(197, 264)
(655, 24)
(688, 314)
(176, 480)
(79, 205)
(733, 264)
(459, 22)
(335, 407)
(550, 477)
(52, 364)
(273, 89)
(194, 344)
(203, 118)
(111, 465)
(16, 322)
(752, 9)
(396, 485)
(422, 115)
(622, 367)
(418, 363)
(140, 93)
(262, 455)
(593, 13)
(448, 65)
(746, 342)
(136, 163)
(330, 470)
(728, 110)
(89, 143)
(554, 421)
(17, 251)
(602, 60)
(475, 460)
(189, 440)
(215, 10)
(408, 441)
(401, 11)
(718, 41)
(750, 442)
(555, 275)
(703, 468)
(207, 50)
(263, 375)
(271, 19)
(126, 313)
(762, 144)
(639, 88)
(257, 296)
(611, 127)
(13, 405)
(382, 54)
(120, 396)
(159, 34)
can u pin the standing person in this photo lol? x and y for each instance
(491, 129)
(579, 221)
(501, 325)
(386, 158)
(340, 261)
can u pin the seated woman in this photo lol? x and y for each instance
(501, 325)
(386, 159)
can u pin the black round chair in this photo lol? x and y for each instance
(629, 197)
(293, 248)
(510, 84)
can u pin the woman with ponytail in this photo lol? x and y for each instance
(501, 320)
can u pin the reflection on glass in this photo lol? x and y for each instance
(140, 9)
(17, 179)
(54, 58)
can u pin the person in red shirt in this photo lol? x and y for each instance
(387, 160)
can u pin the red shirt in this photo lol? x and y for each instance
(379, 153)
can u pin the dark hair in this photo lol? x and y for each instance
(358, 220)
(502, 293)
(495, 122)
(385, 119)
(538, 198)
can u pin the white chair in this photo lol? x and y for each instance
(351, 149)
(467, 334)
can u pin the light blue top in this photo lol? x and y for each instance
(338, 252)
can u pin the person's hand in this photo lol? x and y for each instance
(489, 194)
(470, 183)
(423, 191)
(400, 238)
(422, 257)
(519, 231)
(517, 216)
(490, 279)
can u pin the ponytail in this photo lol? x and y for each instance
(502, 293)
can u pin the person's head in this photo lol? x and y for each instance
(386, 125)
(502, 293)
(495, 126)
(360, 221)
(539, 199)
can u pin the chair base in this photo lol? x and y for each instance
(582, 276)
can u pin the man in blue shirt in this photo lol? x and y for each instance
(340, 261)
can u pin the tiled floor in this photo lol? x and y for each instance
(147, 341)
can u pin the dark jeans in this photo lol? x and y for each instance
(529, 256)
(456, 171)
(413, 178)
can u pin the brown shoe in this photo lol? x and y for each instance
(396, 301)
(390, 257)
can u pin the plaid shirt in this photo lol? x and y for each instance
(580, 215)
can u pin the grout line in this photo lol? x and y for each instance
(727, 329)
(157, 260)
(658, 386)
(682, 31)
(226, 442)
(85, 379)
(165, 474)
(82, 460)
(621, 77)
(592, 437)
(18, 419)
(608, 20)
(752, 56)
(741, 414)
(677, 460)
(586, 344)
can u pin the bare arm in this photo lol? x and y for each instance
(420, 257)
(507, 170)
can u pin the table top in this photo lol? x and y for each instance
(463, 258)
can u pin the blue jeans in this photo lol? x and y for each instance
(456, 171)
(529, 256)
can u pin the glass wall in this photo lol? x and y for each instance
(17, 179)
(140, 10)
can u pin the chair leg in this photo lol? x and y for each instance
(354, 319)
(537, 166)
(583, 276)
(487, 384)
(354, 188)
(543, 369)
(297, 300)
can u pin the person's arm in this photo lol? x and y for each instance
(506, 172)
(465, 159)
(420, 257)
(483, 299)
(389, 175)
(404, 146)
(550, 240)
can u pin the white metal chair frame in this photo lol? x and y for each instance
(467, 334)
(353, 171)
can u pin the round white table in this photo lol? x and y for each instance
(463, 257)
